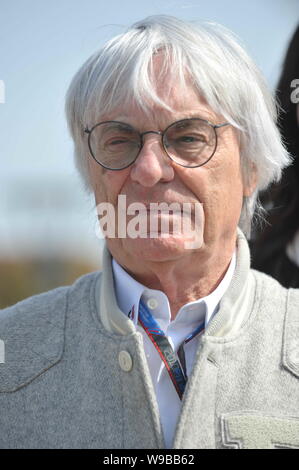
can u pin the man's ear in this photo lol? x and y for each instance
(251, 181)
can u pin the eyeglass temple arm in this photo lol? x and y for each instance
(87, 130)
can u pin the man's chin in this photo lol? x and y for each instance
(156, 248)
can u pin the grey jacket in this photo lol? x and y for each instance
(75, 374)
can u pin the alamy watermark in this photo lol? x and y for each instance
(2, 91)
(295, 93)
(2, 351)
(152, 220)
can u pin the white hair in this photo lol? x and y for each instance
(220, 69)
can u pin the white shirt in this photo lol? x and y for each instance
(128, 294)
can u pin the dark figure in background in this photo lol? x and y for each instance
(276, 249)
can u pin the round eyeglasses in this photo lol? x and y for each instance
(189, 142)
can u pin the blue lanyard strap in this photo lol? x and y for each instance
(176, 371)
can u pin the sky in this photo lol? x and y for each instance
(42, 45)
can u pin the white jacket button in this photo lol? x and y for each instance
(125, 361)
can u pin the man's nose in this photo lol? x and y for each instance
(152, 164)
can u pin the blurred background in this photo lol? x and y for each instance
(48, 233)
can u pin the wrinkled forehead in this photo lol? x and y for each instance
(157, 117)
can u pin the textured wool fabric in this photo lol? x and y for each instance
(62, 385)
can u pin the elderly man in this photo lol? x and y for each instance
(176, 343)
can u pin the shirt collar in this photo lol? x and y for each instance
(129, 292)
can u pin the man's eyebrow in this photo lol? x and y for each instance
(123, 126)
(206, 116)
